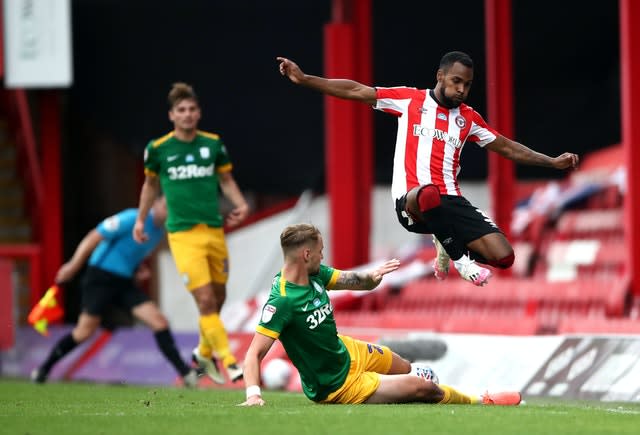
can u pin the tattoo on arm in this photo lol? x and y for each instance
(353, 281)
(349, 279)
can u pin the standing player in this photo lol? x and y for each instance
(114, 259)
(335, 368)
(433, 126)
(190, 165)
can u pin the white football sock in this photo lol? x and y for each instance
(461, 262)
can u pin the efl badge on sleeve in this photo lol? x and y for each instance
(267, 313)
(112, 224)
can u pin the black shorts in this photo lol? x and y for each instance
(101, 289)
(466, 222)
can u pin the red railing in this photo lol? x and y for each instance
(7, 336)
(32, 253)
(25, 138)
(18, 114)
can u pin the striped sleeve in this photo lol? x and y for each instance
(393, 100)
(480, 132)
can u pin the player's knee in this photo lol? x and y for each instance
(399, 365)
(428, 197)
(404, 366)
(209, 298)
(421, 199)
(504, 262)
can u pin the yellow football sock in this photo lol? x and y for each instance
(215, 334)
(204, 347)
(455, 397)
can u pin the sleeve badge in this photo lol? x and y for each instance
(267, 313)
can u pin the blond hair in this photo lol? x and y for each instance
(294, 236)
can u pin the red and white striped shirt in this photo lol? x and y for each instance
(430, 139)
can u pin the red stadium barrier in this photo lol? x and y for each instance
(6, 304)
(579, 325)
(477, 323)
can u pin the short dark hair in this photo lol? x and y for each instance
(452, 57)
(294, 236)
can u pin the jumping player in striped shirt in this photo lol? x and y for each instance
(433, 126)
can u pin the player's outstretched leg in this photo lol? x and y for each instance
(470, 271)
(442, 260)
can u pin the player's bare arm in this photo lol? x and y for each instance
(258, 348)
(231, 190)
(522, 154)
(341, 88)
(365, 280)
(150, 190)
(84, 249)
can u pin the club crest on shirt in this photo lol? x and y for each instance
(267, 313)
(204, 153)
(460, 121)
(111, 224)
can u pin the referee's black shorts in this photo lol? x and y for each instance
(466, 222)
(101, 289)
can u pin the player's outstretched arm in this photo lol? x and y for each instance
(258, 348)
(365, 280)
(522, 154)
(341, 88)
(84, 249)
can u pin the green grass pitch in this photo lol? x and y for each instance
(80, 408)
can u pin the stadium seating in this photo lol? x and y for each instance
(506, 305)
(590, 223)
(569, 276)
